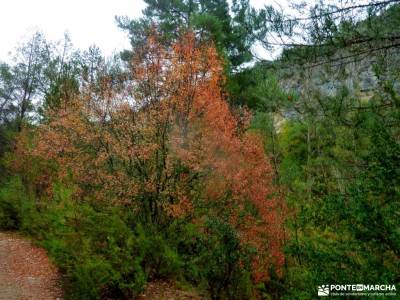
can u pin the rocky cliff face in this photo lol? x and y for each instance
(359, 75)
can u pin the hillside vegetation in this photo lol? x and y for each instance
(186, 162)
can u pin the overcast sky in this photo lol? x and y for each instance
(87, 21)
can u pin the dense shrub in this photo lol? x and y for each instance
(106, 254)
(11, 198)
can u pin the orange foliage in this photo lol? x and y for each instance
(127, 146)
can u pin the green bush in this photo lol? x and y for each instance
(225, 263)
(12, 199)
(106, 253)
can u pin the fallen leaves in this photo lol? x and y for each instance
(26, 272)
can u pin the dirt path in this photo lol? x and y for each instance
(161, 290)
(25, 271)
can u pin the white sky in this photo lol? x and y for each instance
(87, 21)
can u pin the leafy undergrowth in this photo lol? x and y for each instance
(106, 253)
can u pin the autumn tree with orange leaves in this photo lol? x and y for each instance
(168, 146)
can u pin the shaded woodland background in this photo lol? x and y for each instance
(190, 160)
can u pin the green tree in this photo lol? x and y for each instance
(230, 28)
(319, 28)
